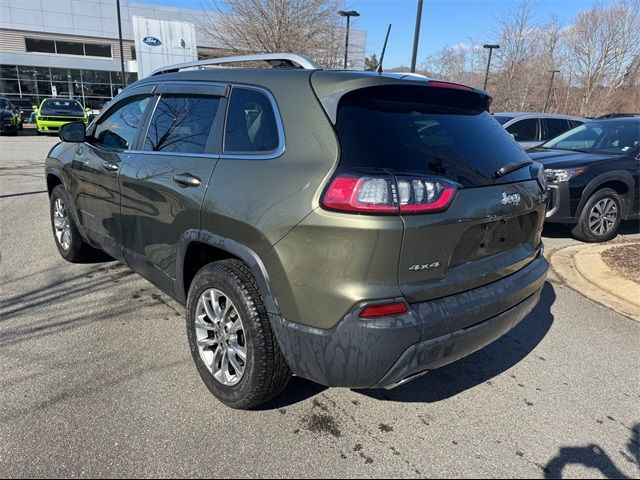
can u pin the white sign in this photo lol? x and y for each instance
(54, 91)
(161, 42)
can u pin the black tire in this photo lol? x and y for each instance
(78, 250)
(582, 231)
(266, 372)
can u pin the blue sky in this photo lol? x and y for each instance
(444, 22)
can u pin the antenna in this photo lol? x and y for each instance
(384, 49)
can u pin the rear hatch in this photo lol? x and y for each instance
(440, 154)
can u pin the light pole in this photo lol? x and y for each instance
(546, 103)
(486, 75)
(416, 37)
(348, 14)
(124, 83)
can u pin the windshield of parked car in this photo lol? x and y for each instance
(501, 119)
(61, 107)
(4, 104)
(599, 137)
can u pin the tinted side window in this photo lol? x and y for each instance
(251, 123)
(118, 128)
(525, 130)
(556, 126)
(181, 123)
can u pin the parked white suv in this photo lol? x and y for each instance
(532, 129)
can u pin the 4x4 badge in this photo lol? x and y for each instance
(513, 199)
(426, 266)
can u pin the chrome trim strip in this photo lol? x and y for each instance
(181, 154)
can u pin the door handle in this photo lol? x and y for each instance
(186, 180)
(112, 167)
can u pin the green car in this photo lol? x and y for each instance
(355, 229)
(55, 112)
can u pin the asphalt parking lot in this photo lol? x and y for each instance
(97, 380)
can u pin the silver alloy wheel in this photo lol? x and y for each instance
(221, 337)
(603, 216)
(61, 224)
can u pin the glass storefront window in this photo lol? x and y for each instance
(8, 71)
(8, 86)
(96, 90)
(63, 74)
(28, 72)
(91, 86)
(41, 89)
(95, 76)
(68, 89)
(131, 77)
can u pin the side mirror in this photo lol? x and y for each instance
(73, 132)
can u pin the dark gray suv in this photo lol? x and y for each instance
(353, 228)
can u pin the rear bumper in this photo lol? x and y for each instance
(376, 353)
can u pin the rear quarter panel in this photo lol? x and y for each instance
(258, 201)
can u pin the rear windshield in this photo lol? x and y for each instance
(501, 119)
(424, 130)
(61, 107)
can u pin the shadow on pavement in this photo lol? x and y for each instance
(298, 390)
(481, 366)
(22, 194)
(592, 456)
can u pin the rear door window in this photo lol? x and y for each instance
(251, 126)
(181, 123)
(425, 130)
(556, 126)
(527, 130)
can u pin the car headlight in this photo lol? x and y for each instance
(562, 175)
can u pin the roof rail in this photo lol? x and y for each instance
(290, 60)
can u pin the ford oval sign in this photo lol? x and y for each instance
(153, 41)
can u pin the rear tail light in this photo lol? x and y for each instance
(383, 310)
(418, 195)
(386, 194)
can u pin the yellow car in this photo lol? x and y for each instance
(55, 112)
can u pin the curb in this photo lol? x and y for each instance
(581, 267)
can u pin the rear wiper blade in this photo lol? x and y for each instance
(511, 167)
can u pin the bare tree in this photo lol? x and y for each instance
(602, 50)
(598, 58)
(268, 26)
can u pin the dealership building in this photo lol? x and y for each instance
(70, 48)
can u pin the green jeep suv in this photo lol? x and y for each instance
(353, 228)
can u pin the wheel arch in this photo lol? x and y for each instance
(619, 180)
(200, 247)
(54, 178)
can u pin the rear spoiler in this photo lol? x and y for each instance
(331, 102)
